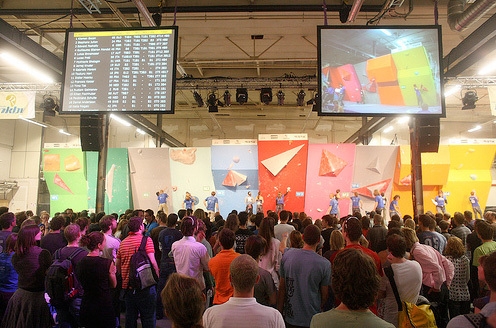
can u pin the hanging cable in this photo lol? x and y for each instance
(72, 13)
(436, 13)
(175, 12)
(324, 6)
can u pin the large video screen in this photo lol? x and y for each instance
(380, 70)
(129, 70)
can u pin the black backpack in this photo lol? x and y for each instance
(141, 272)
(60, 282)
(477, 320)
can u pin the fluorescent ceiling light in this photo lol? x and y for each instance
(401, 44)
(475, 128)
(63, 132)
(404, 119)
(488, 69)
(34, 122)
(388, 129)
(140, 131)
(452, 90)
(385, 32)
(120, 120)
(23, 66)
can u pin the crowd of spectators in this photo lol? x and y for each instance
(250, 270)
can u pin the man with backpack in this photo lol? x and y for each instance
(139, 301)
(61, 283)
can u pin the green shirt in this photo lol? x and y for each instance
(485, 249)
(344, 318)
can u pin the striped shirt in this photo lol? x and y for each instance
(128, 247)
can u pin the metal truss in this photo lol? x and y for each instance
(473, 81)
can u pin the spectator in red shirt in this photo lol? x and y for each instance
(138, 302)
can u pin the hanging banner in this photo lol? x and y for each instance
(17, 104)
(492, 99)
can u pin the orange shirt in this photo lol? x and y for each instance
(219, 267)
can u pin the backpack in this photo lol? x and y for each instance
(141, 272)
(411, 315)
(60, 282)
(477, 320)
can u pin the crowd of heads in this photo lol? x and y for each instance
(357, 291)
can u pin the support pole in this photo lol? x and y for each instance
(416, 163)
(158, 139)
(365, 137)
(102, 163)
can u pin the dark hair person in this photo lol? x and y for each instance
(183, 301)
(355, 282)
(8, 276)
(97, 275)
(28, 307)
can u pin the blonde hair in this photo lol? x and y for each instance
(410, 237)
(409, 223)
(454, 247)
(336, 240)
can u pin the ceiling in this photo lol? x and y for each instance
(217, 51)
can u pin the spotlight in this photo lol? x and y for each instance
(227, 98)
(280, 98)
(241, 95)
(266, 95)
(300, 98)
(315, 102)
(50, 105)
(469, 99)
(157, 18)
(198, 98)
(213, 103)
(344, 12)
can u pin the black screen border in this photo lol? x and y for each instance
(124, 29)
(379, 27)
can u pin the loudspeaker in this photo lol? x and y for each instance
(90, 132)
(428, 134)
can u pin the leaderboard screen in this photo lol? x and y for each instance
(125, 70)
(380, 70)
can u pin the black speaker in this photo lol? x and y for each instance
(429, 133)
(90, 133)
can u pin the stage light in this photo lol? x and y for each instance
(227, 98)
(157, 18)
(344, 12)
(300, 98)
(212, 103)
(198, 99)
(315, 102)
(280, 98)
(241, 95)
(266, 95)
(469, 99)
(49, 105)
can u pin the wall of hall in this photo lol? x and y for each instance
(20, 161)
(308, 173)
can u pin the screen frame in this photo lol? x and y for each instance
(173, 70)
(437, 28)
